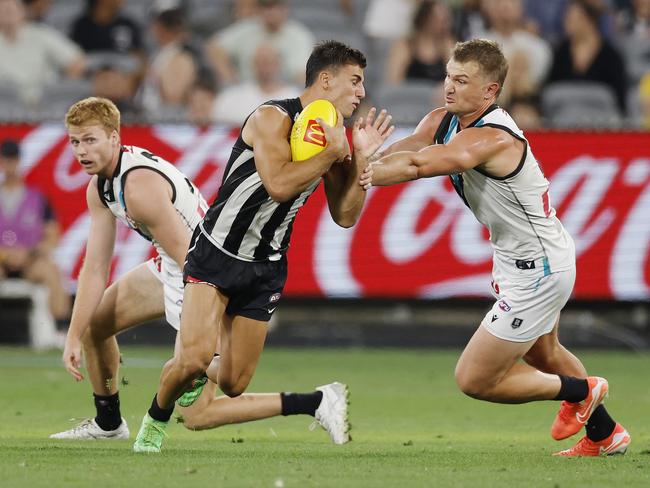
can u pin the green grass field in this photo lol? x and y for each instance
(411, 427)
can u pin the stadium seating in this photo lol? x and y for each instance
(11, 107)
(57, 97)
(574, 104)
(637, 58)
(408, 102)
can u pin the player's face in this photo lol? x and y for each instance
(9, 166)
(345, 88)
(465, 87)
(94, 148)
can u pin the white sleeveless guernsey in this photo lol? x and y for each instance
(527, 237)
(188, 202)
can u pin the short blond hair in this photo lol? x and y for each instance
(94, 110)
(487, 54)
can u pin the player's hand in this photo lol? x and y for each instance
(370, 135)
(337, 142)
(365, 179)
(72, 357)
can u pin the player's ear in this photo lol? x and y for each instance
(492, 90)
(324, 78)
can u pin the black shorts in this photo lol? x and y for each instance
(253, 288)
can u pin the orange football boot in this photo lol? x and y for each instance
(616, 443)
(572, 416)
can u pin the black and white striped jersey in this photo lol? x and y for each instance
(244, 221)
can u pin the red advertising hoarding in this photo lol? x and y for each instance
(415, 240)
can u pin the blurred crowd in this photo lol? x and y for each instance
(572, 62)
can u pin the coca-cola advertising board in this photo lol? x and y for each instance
(414, 240)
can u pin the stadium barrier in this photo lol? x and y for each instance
(415, 241)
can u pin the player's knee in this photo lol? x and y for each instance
(233, 387)
(192, 366)
(470, 385)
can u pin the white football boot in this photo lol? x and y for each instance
(89, 430)
(332, 413)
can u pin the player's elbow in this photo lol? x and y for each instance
(346, 221)
(461, 161)
(279, 193)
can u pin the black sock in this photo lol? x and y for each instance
(157, 413)
(600, 425)
(573, 389)
(108, 411)
(297, 403)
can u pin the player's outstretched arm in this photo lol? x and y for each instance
(467, 150)
(267, 131)
(92, 278)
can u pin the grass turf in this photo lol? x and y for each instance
(411, 427)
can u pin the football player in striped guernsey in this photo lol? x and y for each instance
(236, 267)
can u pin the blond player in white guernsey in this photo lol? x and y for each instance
(150, 195)
(494, 171)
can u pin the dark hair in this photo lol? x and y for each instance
(331, 55)
(591, 9)
(422, 14)
(487, 54)
(172, 19)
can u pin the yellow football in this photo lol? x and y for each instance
(307, 136)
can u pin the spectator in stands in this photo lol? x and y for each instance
(528, 56)
(634, 22)
(468, 20)
(547, 16)
(28, 232)
(585, 55)
(244, 9)
(235, 103)
(525, 112)
(201, 102)
(113, 77)
(103, 27)
(32, 55)
(389, 19)
(423, 55)
(36, 10)
(231, 50)
(175, 65)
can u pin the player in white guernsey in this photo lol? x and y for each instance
(155, 199)
(236, 266)
(494, 171)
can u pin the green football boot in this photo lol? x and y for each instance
(189, 397)
(151, 435)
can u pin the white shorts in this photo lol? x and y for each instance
(171, 276)
(528, 307)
